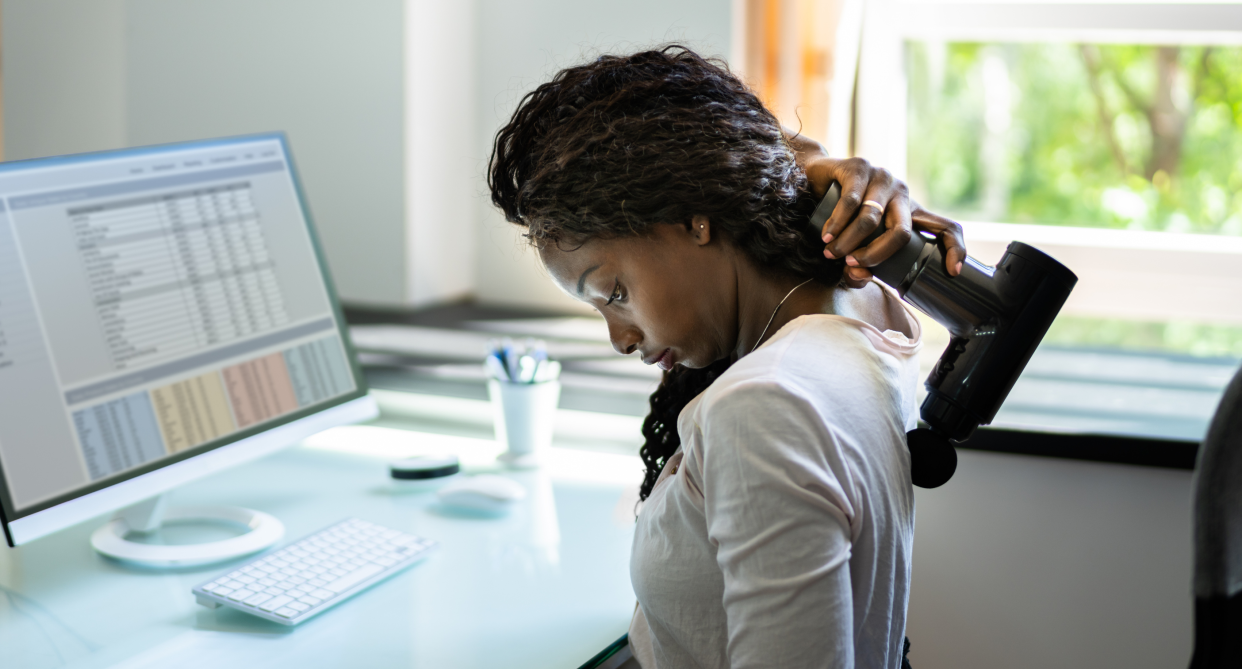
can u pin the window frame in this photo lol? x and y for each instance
(1123, 274)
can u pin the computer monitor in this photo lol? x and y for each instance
(165, 313)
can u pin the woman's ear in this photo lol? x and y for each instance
(701, 228)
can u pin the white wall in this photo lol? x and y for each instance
(83, 75)
(399, 198)
(441, 171)
(1029, 563)
(327, 73)
(64, 73)
(521, 45)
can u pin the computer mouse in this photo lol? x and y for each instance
(487, 493)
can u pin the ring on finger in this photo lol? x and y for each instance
(872, 203)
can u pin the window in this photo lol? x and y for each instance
(1119, 137)
(1110, 135)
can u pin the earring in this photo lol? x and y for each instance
(700, 226)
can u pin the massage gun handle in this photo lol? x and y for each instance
(895, 269)
(917, 272)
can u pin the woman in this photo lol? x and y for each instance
(778, 515)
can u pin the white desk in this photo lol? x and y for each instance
(547, 586)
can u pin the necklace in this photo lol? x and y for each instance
(776, 311)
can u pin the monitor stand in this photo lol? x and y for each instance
(148, 516)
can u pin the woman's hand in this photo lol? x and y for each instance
(851, 222)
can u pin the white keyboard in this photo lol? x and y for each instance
(312, 575)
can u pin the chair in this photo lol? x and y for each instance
(1218, 537)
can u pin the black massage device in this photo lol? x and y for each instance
(996, 315)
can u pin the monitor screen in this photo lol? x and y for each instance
(156, 304)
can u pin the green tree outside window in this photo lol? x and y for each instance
(1130, 137)
(1113, 136)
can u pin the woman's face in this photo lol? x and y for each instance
(670, 295)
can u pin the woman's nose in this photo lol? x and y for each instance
(625, 338)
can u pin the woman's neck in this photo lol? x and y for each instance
(759, 294)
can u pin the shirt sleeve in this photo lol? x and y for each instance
(773, 489)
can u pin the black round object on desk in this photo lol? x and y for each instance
(424, 467)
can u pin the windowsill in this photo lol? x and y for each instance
(1100, 405)
(1104, 238)
(1132, 275)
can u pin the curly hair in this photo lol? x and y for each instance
(620, 144)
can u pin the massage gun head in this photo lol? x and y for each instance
(996, 315)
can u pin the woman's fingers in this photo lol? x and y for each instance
(895, 237)
(949, 232)
(856, 277)
(851, 222)
(878, 199)
(854, 175)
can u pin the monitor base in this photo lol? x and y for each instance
(146, 517)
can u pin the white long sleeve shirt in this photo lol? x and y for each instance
(780, 534)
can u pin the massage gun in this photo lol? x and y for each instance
(996, 315)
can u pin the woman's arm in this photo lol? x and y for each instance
(780, 520)
(851, 223)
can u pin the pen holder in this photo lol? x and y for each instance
(524, 417)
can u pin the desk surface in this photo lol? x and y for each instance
(546, 586)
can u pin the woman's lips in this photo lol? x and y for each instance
(665, 361)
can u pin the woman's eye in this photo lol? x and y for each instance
(616, 295)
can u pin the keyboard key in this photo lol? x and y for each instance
(318, 583)
(239, 595)
(323, 594)
(274, 590)
(299, 606)
(286, 612)
(346, 582)
(311, 601)
(220, 591)
(387, 562)
(257, 599)
(275, 603)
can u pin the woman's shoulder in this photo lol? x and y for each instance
(796, 370)
(817, 347)
(828, 364)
